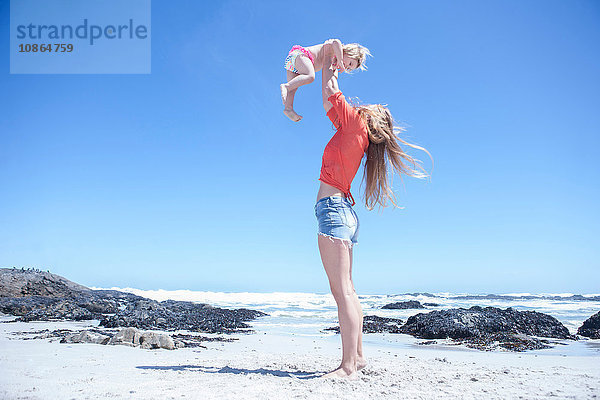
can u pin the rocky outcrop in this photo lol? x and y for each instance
(498, 341)
(86, 337)
(403, 305)
(127, 337)
(591, 327)
(39, 308)
(153, 340)
(478, 322)
(146, 340)
(375, 324)
(175, 315)
(34, 295)
(32, 282)
(506, 341)
(488, 328)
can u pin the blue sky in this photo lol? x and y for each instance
(192, 178)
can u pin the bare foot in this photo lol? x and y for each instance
(291, 114)
(341, 373)
(283, 93)
(361, 362)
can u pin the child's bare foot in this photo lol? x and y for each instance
(291, 114)
(283, 93)
(341, 373)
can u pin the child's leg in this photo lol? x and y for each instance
(288, 99)
(287, 96)
(306, 73)
(305, 76)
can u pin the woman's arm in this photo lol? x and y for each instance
(338, 51)
(344, 114)
(329, 84)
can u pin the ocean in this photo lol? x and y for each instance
(307, 314)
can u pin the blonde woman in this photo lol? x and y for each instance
(361, 129)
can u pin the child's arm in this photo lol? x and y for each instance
(338, 52)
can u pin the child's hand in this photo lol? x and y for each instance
(333, 65)
(336, 65)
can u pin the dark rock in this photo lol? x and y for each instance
(195, 340)
(403, 305)
(39, 308)
(478, 322)
(82, 306)
(41, 296)
(176, 315)
(591, 327)
(431, 304)
(20, 283)
(427, 342)
(375, 324)
(44, 334)
(503, 340)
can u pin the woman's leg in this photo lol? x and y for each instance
(336, 260)
(361, 361)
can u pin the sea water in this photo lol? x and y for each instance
(308, 314)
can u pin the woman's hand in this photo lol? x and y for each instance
(337, 50)
(337, 65)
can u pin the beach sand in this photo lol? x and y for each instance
(272, 365)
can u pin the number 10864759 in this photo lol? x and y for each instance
(45, 48)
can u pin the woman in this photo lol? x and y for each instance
(360, 129)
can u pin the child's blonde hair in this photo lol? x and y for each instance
(358, 52)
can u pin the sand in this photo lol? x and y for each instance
(267, 366)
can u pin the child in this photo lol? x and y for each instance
(302, 63)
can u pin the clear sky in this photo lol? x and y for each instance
(192, 178)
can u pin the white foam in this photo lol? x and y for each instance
(300, 311)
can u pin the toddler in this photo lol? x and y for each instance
(302, 63)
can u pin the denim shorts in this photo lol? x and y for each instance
(337, 219)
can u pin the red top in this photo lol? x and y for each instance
(346, 148)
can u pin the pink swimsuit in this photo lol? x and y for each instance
(290, 61)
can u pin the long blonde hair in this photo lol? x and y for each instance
(384, 149)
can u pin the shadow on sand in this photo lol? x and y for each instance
(229, 370)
